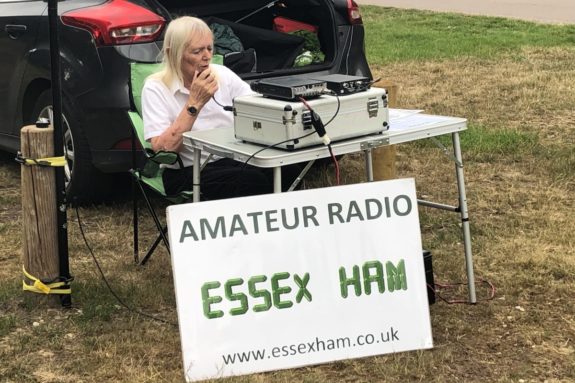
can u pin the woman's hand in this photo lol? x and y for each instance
(203, 87)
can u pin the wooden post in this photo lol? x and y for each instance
(40, 237)
(384, 156)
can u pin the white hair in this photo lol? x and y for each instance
(178, 34)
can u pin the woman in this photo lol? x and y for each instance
(181, 97)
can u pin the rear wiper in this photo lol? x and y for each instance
(268, 5)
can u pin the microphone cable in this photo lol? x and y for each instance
(227, 108)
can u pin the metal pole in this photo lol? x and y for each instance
(65, 299)
(464, 217)
(278, 179)
(196, 174)
(369, 164)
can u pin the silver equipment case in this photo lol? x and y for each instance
(267, 121)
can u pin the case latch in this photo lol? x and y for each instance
(306, 120)
(372, 107)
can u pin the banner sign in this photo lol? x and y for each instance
(286, 280)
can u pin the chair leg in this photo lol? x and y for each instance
(161, 229)
(135, 219)
(153, 247)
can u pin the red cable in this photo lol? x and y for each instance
(336, 165)
(305, 103)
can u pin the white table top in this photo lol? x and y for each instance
(404, 127)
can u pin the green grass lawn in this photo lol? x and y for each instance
(395, 35)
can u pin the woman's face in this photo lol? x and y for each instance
(197, 56)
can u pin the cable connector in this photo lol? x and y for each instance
(317, 124)
(227, 108)
(329, 92)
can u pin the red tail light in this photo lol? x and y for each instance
(117, 22)
(353, 12)
(126, 144)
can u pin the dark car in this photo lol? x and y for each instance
(98, 40)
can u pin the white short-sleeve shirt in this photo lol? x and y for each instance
(162, 105)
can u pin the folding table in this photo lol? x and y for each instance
(404, 127)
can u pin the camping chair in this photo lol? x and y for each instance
(149, 176)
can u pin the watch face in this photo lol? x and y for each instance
(192, 110)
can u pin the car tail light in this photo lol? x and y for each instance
(353, 12)
(126, 144)
(117, 22)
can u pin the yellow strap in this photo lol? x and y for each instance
(44, 288)
(33, 289)
(47, 161)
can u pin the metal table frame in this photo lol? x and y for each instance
(221, 142)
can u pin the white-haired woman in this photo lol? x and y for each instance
(181, 97)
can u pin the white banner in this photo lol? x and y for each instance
(286, 280)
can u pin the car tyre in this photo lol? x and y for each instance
(83, 181)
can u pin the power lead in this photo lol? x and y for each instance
(319, 128)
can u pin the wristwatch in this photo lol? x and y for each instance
(192, 110)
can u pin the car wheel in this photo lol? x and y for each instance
(83, 181)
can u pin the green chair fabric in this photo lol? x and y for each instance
(149, 175)
(139, 72)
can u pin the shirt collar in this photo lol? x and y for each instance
(178, 86)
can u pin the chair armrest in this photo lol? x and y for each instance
(164, 157)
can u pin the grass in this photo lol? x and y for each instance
(399, 35)
(517, 90)
(486, 145)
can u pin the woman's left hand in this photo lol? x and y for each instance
(203, 87)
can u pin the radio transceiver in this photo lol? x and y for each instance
(342, 84)
(289, 88)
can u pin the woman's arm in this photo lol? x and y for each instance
(202, 88)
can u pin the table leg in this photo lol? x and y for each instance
(368, 164)
(278, 179)
(464, 217)
(196, 175)
(301, 175)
